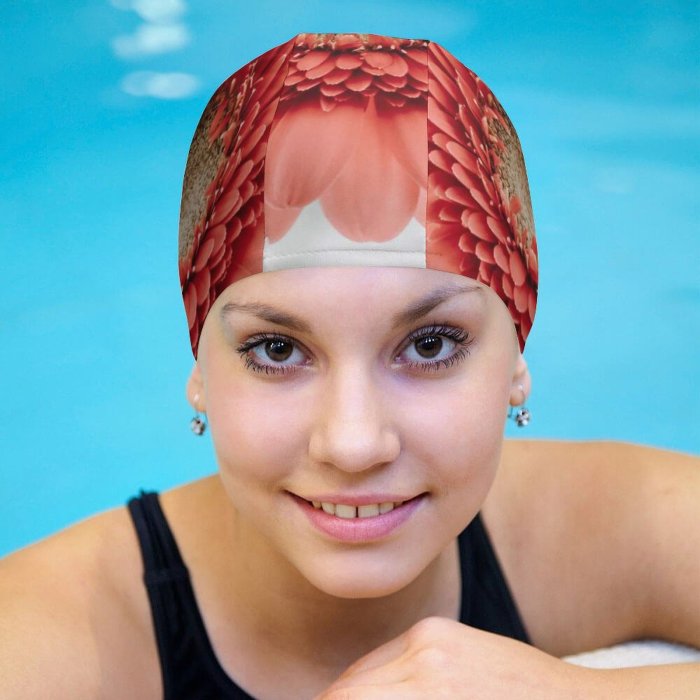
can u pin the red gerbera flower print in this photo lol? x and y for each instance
(222, 227)
(476, 223)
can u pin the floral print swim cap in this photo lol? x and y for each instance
(356, 149)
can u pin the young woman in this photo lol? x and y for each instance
(359, 271)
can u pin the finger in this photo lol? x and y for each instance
(386, 674)
(398, 691)
(390, 651)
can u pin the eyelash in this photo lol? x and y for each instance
(244, 350)
(461, 338)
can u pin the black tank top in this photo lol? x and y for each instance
(189, 667)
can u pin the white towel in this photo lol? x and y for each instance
(641, 653)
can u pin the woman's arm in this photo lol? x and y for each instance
(440, 658)
(663, 537)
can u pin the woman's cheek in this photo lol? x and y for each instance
(255, 431)
(469, 431)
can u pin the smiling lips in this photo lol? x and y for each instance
(343, 510)
(360, 522)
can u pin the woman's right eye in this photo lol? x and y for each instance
(271, 354)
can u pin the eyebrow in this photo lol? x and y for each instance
(413, 312)
(267, 313)
(426, 304)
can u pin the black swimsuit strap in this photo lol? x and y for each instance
(162, 559)
(487, 602)
(189, 667)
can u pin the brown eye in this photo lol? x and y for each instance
(272, 354)
(429, 346)
(278, 350)
(435, 347)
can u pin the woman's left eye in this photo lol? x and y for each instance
(435, 347)
(271, 354)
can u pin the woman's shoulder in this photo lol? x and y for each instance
(575, 483)
(595, 474)
(578, 527)
(591, 454)
(69, 610)
(75, 612)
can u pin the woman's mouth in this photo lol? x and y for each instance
(365, 520)
(344, 510)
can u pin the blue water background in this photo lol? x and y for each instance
(94, 346)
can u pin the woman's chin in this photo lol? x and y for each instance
(359, 577)
(353, 588)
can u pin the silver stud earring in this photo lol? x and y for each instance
(198, 424)
(521, 415)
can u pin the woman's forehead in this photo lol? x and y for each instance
(322, 302)
(352, 281)
(396, 297)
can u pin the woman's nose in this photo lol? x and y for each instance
(354, 428)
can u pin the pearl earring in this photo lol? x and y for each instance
(521, 415)
(198, 423)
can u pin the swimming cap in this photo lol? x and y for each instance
(356, 149)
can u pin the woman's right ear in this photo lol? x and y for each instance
(521, 383)
(195, 390)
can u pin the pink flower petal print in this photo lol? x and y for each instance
(313, 59)
(405, 135)
(306, 150)
(373, 197)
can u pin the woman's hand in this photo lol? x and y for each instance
(441, 658)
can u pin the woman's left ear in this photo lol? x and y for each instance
(195, 390)
(521, 384)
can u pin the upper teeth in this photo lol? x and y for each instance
(342, 510)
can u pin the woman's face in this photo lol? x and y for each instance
(379, 390)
